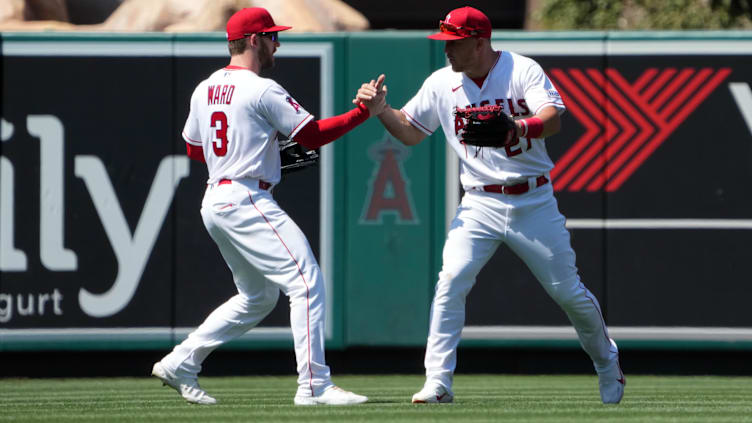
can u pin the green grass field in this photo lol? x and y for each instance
(477, 398)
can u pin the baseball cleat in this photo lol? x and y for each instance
(433, 394)
(331, 396)
(611, 381)
(187, 387)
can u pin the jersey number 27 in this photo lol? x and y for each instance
(219, 125)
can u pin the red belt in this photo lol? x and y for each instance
(515, 189)
(262, 184)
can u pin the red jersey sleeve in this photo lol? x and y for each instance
(196, 152)
(321, 132)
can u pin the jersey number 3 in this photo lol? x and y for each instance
(219, 125)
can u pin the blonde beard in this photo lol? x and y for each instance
(266, 57)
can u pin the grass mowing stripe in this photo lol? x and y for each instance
(478, 398)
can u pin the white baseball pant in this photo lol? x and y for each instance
(532, 226)
(266, 252)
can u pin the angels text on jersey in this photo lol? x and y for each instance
(507, 105)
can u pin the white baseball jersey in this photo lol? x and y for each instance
(516, 83)
(235, 117)
(530, 223)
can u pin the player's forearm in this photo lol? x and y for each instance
(551, 121)
(546, 123)
(322, 132)
(396, 123)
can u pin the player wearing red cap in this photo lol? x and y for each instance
(235, 119)
(508, 195)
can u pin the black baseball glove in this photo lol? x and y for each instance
(294, 157)
(487, 126)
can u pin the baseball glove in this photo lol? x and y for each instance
(487, 126)
(294, 157)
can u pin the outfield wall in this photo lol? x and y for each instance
(102, 245)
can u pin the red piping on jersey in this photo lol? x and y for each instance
(416, 122)
(479, 81)
(321, 132)
(234, 67)
(308, 292)
(498, 58)
(546, 104)
(298, 125)
(191, 139)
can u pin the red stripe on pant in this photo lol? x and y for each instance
(308, 292)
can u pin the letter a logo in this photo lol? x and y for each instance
(388, 188)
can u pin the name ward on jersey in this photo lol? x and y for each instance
(220, 94)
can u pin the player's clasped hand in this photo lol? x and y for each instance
(373, 95)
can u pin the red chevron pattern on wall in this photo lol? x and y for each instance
(624, 122)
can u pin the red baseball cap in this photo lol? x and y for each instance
(251, 20)
(465, 22)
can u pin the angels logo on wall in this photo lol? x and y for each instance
(389, 188)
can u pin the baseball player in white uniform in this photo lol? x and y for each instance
(508, 194)
(234, 121)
